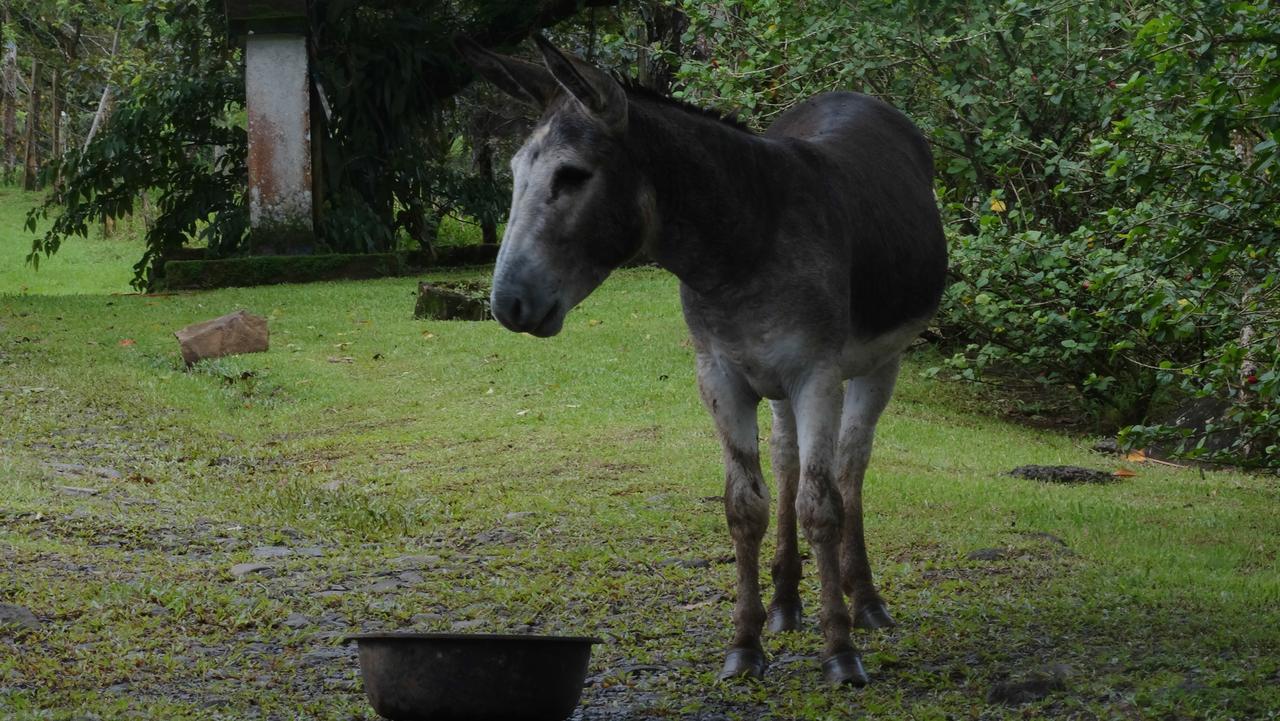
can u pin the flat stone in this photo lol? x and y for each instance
(78, 491)
(416, 561)
(231, 334)
(310, 551)
(467, 625)
(684, 563)
(240, 570)
(326, 655)
(1034, 686)
(296, 620)
(411, 577)
(18, 617)
(517, 515)
(1062, 474)
(424, 619)
(80, 469)
(383, 586)
(272, 551)
(988, 554)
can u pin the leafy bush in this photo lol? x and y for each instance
(1107, 176)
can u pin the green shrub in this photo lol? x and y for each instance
(1107, 176)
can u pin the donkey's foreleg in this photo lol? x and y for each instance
(820, 509)
(785, 612)
(732, 405)
(864, 401)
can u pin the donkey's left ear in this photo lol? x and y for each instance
(599, 93)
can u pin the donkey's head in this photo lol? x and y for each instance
(579, 207)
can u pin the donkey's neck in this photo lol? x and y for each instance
(716, 192)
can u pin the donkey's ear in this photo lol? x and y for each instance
(599, 93)
(526, 82)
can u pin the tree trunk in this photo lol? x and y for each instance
(484, 167)
(9, 78)
(105, 102)
(55, 111)
(30, 177)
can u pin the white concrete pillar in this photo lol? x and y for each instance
(278, 101)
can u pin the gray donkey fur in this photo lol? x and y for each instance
(808, 258)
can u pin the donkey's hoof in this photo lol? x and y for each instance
(872, 615)
(741, 662)
(786, 617)
(845, 668)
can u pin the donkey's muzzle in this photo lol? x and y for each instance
(523, 314)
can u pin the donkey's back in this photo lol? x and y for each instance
(878, 167)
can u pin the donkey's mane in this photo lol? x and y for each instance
(633, 87)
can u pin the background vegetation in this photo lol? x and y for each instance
(1106, 170)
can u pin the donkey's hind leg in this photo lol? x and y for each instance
(785, 612)
(732, 405)
(864, 400)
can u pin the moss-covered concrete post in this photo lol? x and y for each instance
(278, 103)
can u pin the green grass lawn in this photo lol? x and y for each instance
(85, 265)
(439, 476)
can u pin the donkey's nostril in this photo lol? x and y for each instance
(513, 312)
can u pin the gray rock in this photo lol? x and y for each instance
(1034, 686)
(467, 625)
(425, 619)
(411, 577)
(18, 617)
(416, 561)
(296, 620)
(78, 490)
(517, 515)
(240, 570)
(988, 554)
(384, 586)
(231, 334)
(327, 654)
(272, 551)
(309, 551)
(79, 469)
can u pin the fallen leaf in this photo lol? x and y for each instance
(1136, 457)
(1124, 473)
(997, 206)
(594, 322)
(126, 342)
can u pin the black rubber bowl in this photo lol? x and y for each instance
(473, 677)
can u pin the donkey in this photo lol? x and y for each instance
(809, 257)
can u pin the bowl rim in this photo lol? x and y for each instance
(465, 637)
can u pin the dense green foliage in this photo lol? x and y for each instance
(390, 161)
(1107, 172)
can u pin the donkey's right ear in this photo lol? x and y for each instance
(527, 82)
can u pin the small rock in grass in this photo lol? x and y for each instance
(296, 620)
(467, 625)
(517, 515)
(411, 577)
(18, 617)
(78, 491)
(685, 563)
(79, 469)
(1034, 686)
(240, 570)
(416, 561)
(327, 654)
(425, 619)
(988, 554)
(1062, 474)
(384, 586)
(234, 333)
(309, 551)
(272, 551)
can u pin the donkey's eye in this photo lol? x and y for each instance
(568, 177)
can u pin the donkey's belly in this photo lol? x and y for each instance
(860, 356)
